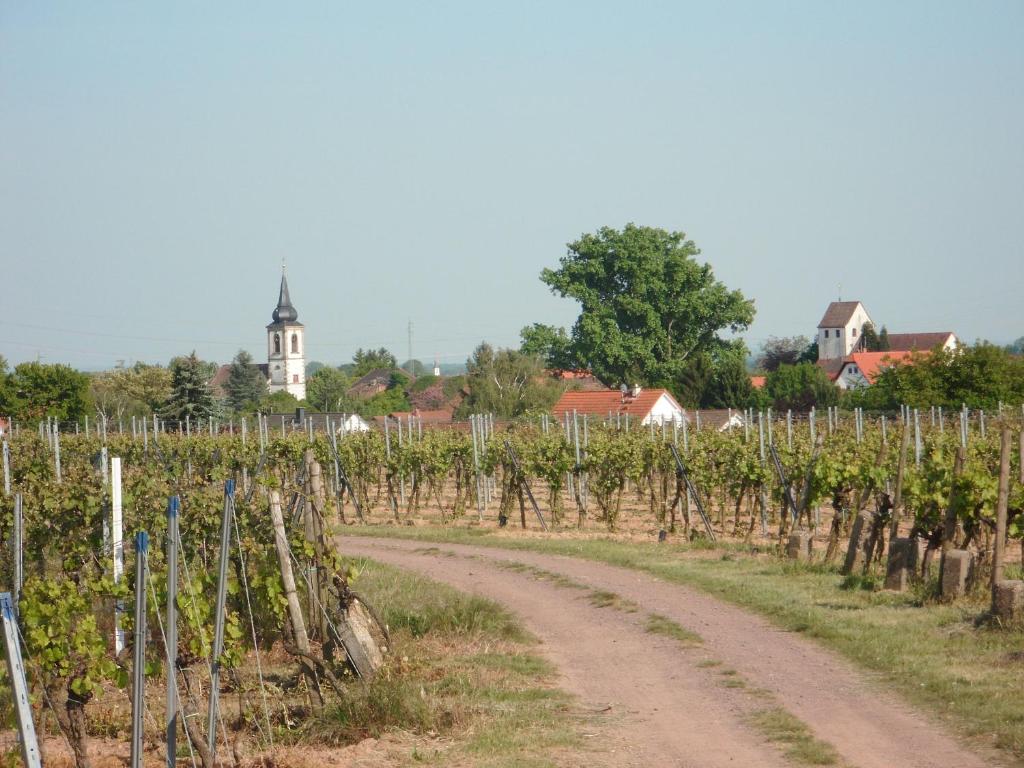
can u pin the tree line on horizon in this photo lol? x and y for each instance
(651, 314)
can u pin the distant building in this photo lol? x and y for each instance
(861, 369)
(374, 382)
(642, 405)
(578, 379)
(286, 347)
(840, 329)
(841, 338)
(219, 382)
(922, 342)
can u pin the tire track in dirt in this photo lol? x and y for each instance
(677, 716)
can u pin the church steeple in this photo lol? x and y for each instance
(285, 312)
(286, 347)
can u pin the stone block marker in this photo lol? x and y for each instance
(800, 545)
(855, 553)
(956, 570)
(1008, 601)
(904, 556)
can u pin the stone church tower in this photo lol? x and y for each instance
(286, 347)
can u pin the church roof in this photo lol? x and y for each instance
(838, 314)
(285, 312)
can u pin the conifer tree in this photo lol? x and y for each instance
(246, 384)
(190, 391)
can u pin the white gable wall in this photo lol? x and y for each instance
(850, 377)
(664, 411)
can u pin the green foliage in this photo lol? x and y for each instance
(694, 380)
(246, 384)
(872, 341)
(280, 402)
(423, 383)
(415, 367)
(647, 305)
(550, 344)
(190, 390)
(37, 390)
(392, 400)
(982, 376)
(326, 390)
(136, 391)
(729, 386)
(507, 383)
(366, 360)
(777, 351)
(800, 387)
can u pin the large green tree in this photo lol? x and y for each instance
(35, 390)
(326, 390)
(190, 390)
(778, 350)
(366, 360)
(246, 384)
(729, 386)
(507, 383)
(550, 344)
(647, 305)
(136, 391)
(799, 387)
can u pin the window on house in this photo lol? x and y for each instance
(295, 378)
(277, 344)
(854, 331)
(295, 343)
(826, 333)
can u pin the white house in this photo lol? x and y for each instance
(641, 406)
(840, 328)
(861, 369)
(353, 423)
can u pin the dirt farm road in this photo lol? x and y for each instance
(665, 704)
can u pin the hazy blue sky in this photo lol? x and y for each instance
(426, 160)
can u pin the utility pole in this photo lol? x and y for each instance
(409, 358)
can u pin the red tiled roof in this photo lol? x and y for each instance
(832, 366)
(758, 382)
(838, 314)
(900, 342)
(870, 364)
(610, 401)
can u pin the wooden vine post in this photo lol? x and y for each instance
(999, 553)
(298, 623)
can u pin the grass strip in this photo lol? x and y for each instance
(793, 737)
(462, 679)
(662, 625)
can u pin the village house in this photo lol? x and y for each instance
(841, 347)
(642, 406)
(861, 369)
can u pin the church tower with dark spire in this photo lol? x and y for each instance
(286, 346)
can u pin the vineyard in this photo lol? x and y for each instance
(239, 572)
